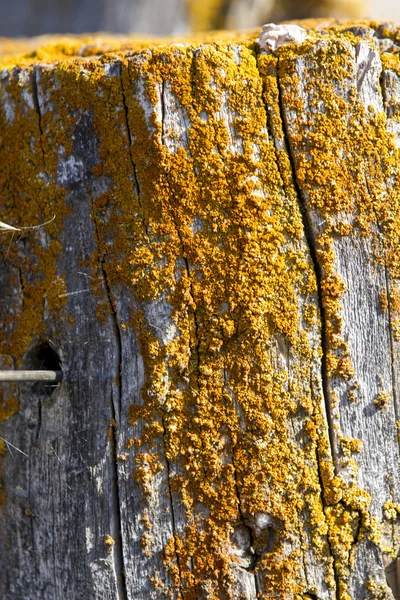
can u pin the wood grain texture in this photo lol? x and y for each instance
(220, 286)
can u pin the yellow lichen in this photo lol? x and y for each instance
(350, 446)
(376, 591)
(391, 511)
(353, 393)
(109, 542)
(383, 399)
(229, 420)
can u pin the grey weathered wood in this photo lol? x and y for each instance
(66, 483)
(185, 165)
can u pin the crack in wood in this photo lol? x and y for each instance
(36, 104)
(382, 88)
(116, 516)
(318, 276)
(172, 506)
(136, 184)
(309, 237)
(138, 193)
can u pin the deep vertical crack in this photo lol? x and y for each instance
(392, 351)
(136, 184)
(310, 239)
(36, 104)
(172, 506)
(146, 228)
(116, 406)
(311, 245)
(385, 100)
(167, 463)
(39, 419)
(162, 111)
(21, 283)
(382, 87)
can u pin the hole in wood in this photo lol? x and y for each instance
(43, 357)
(262, 544)
(252, 540)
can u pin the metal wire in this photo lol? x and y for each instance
(49, 376)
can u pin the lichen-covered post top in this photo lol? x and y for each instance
(217, 276)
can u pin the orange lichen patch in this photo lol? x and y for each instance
(110, 429)
(350, 446)
(353, 393)
(147, 523)
(396, 330)
(391, 511)
(26, 175)
(383, 300)
(8, 406)
(383, 399)
(394, 301)
(51, 49)
(146, 467)
(145, 543)
(234, 293)
(349, 521)
(376, 591)
(109, 542)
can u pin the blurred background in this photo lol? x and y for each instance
(166, 17)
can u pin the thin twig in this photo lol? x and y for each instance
(12, 446)
(65, 294)
(6, 227)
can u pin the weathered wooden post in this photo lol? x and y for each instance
(217, 280)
